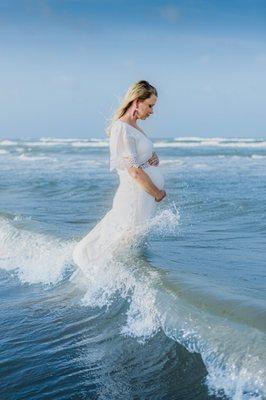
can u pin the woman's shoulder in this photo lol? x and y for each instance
(123, 128)
(115, 126)
(121, 124)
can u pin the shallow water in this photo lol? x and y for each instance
(181, 318)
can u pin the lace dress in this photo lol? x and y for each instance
(132, 206)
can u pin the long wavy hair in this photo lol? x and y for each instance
(140, 90)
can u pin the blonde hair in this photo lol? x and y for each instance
(141, 90)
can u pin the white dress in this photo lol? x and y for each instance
(132, 206)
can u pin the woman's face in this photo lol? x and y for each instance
(145, 107)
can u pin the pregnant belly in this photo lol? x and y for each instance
(156, 175)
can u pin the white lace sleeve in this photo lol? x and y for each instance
(129, 151)
(123, 150)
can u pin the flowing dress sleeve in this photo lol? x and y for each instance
(123, 149)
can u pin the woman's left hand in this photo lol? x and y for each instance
(154, 160)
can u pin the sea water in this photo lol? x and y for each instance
(184, 318)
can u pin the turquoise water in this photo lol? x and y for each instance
(184, 318)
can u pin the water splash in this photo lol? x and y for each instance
(37, 258)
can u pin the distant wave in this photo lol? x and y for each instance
(25, 157)
(178, 142)
(100, 143)
(211, 142)
(8, 142)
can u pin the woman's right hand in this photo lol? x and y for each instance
(154, 160)
(161, 196)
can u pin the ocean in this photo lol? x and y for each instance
(184, 318)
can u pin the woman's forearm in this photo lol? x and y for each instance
(145, 181)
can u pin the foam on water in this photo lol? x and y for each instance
(8, 142)
(25, 157)
(57, 140)
(217, 139)
(37, 258)
(258, 156)
(166, 222)
(211, 143)
(90, 144)
(47, 143)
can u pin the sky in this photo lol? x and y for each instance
(66, 64)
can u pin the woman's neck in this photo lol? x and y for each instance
(131, 121)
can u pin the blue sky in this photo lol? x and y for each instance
(64, 65)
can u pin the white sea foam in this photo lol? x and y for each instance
(49, 142)
(19, 217)
(37, 258)
(216, 139)
(200, 166)
(211, 142)
(166, 222)
(174, 161)
(25, 157)
(57, 140)
(8, 143)
(258, 157)
(42, 144)
(2, 151)
(101, 143)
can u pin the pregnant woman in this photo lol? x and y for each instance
(141, 182)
